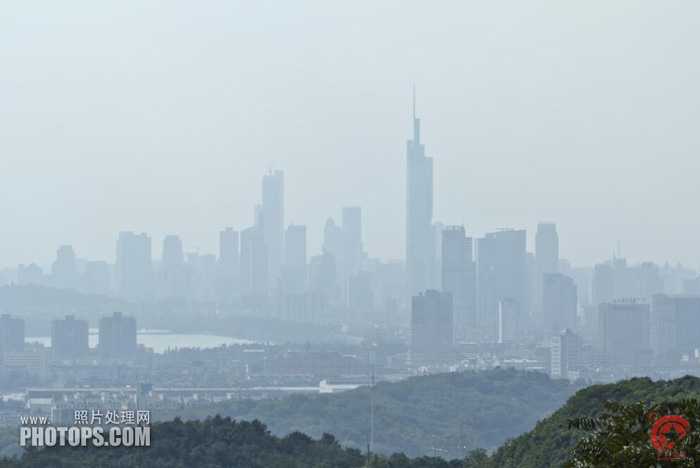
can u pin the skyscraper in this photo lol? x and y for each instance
(294, 270)
(565, 355)
(432, 327)
(546, 262)
(173, 274)
(459, 277)
(675, 326)
(333, 247)
(229, 253)
(322, 276)
(64, 271)
(501, 274)
(254, 262)
(272, 218)
(559, 303)
(624, 333)
(361, 297)
(11, 334)
(509, 321)
(352, 240)
(229, 266)
(202, 271)
(173, 254)
(69, 338)
(134, 266)
(419, 212)
(435, 278)
(547, 248)
(117, 336)
(616, 279)
(603, 284)
(333, 239)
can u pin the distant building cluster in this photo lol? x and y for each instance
(263, 269)
(453, 289)
(70, 341)
(613, 317)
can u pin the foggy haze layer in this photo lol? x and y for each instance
(162, 116)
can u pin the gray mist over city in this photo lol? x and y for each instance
(321, 215)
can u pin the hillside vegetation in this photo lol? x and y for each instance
(448, 414)
(222, 443)
(550, 443)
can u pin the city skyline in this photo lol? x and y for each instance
(90, 128)
(616, 250)
(271, 199)
(358, 234)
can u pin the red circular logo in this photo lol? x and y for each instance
(668, 431)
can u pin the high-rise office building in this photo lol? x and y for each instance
(546, 262)
(294, 270)
(117, 336)
(322, 276)
(229, 266)
(432, 327)
(675, 326)
(435, 278)
(583, 277)
(203, 275)
(272, 219)
(501, 274)
(352, 240)
(649, 280)
(361, 297)
(565, 355)
(173, 273)
(254, 263)
(333, 239)
(625, 280)
(459, 278)
(420, 254)
(547, 248)
(64, 271)
(624, 333)
(173, 253)
(559, 303)
(616, 279)
(390, 287)
(134, 266)
(229, 249)
(333, 243)
(602, 284)
(11, 334)
(534, 289)
(510, 323)
(69, 338)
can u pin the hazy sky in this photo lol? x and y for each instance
(162, 116)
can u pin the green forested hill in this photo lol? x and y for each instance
(550, 442)
(447, 414)
(223, 443)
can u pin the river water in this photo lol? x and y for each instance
(162, 340)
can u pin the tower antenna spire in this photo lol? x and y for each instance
(416, 121)
(414, 101)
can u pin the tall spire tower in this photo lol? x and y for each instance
(419, 211)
